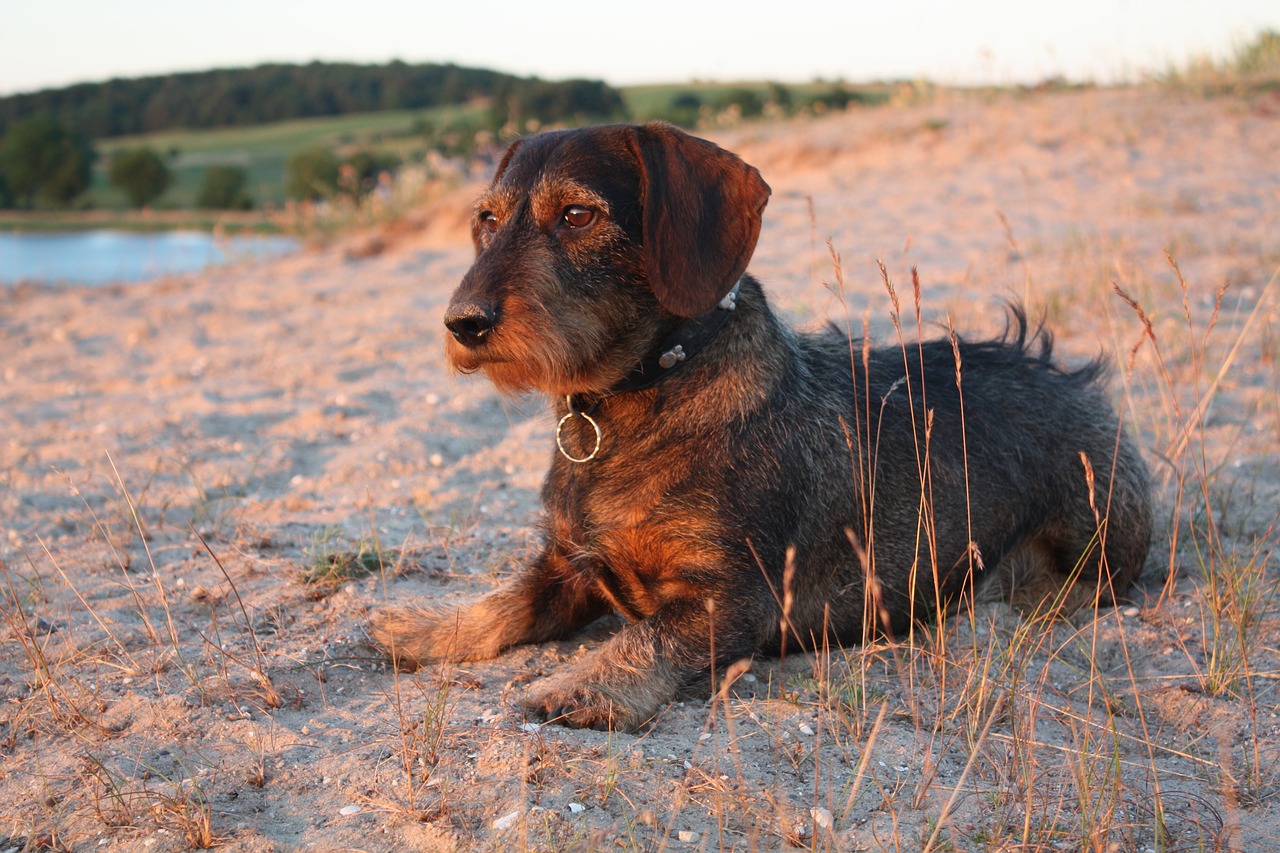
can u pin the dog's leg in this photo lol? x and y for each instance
(624, 683)
(548, 600)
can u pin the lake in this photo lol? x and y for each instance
(106, 257)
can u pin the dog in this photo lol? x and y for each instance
(727, 483)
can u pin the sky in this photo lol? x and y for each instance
(48, 43)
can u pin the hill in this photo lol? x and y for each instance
(240, 97)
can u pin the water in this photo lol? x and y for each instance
(106, 257)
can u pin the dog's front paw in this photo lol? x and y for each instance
(413, 636)
(583, 706)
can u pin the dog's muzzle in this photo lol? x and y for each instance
(470, 324)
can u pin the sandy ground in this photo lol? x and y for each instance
(186, 465)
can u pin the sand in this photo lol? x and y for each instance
(185, 463)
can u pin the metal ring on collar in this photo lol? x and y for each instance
(588, 419)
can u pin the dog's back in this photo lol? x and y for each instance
(898, 480)
(976, 470)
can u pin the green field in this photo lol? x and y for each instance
(264, 150)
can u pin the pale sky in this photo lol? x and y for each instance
(47, 43)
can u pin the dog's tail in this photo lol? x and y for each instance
(1031, 345)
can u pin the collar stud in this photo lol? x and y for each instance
(671, 357)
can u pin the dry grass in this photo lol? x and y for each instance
(1013, 731)
(1252, 67)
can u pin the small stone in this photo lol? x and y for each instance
(1131, 611)
(436, 460)
(806, 729)
(507, 821)
(577, 808)
(704, 736)
(348, 811)
(530, 727)
(687, 836)
(822, 817)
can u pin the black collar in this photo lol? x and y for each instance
(675, 350)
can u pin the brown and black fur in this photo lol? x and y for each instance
(896, 489)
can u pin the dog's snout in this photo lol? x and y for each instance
(470, 323)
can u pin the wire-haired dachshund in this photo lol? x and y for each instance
(725, 482)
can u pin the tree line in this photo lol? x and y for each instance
(240, 97)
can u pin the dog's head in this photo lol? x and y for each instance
(589, 244)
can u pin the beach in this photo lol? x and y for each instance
(209, 481)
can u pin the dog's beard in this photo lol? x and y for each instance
(516, 366)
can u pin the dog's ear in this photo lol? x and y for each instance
(701, 217)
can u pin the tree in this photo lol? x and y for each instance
(140, 173)
(42, 161)
(224, 188)
(312, 174)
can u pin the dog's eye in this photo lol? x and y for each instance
(489, 222)
(577, 216)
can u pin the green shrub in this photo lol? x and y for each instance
(224, 188)
(748, 102)
(312, 174)
(685, 110)
(360, 171)
(140, 174)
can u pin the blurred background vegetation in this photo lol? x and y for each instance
(275, 137)
(270, 136)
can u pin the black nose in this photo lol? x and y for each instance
(469, 323)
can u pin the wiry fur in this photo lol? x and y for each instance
(892, 485)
